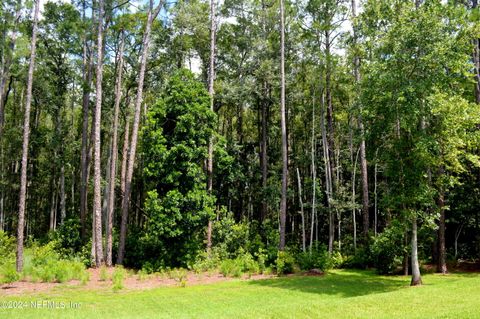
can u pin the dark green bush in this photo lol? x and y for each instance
(387, 250)
(316, 259)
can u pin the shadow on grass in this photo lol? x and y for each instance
(346, 283)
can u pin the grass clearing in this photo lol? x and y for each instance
(338, 294)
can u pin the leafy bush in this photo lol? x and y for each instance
(285, 262)
(7, 248)
(388, 249)
(45, 265)
(9, 273)
(316, 259)
(230, 267)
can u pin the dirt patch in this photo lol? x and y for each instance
(131, 282)
(314, 272)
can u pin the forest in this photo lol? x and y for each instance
(238, 136)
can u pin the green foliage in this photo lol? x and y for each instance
(285, 263)
(388, 249)
(179, 275)
(103, 273)
(316, 259)
(175, 140)
(46, 265)
(7, 248)
(8, 273)
(118, 276)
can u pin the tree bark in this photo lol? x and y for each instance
(125, 149)
(211, 79)
(283, 122)
(97, 191)
(300, 200)
(442, 259)
(84, 161)
(151, 15)
(264, 151)
(363, 155)
(26, 136)
(476, 61)
(416, 277)
(113, 163)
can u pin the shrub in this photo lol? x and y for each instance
(316, 259)
(230, 267)
(103, 273)
(388, 249)
(285, 262)
(7, 248)
(118, 276)
(9, 273)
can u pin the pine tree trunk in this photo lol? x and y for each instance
(283, 202)
(63, 204)
(125, 149)
(136, 123)
(113, 163)
(476, 61)
(416, 277)
(211, 79)
(300, 200)
(26, 136)
(97, 178)
(84, 161)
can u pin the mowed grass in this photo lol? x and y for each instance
(339, 294)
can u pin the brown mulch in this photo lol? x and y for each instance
(314, 272)
(131, 282)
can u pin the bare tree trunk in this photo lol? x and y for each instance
(97, 178)
(114, 154)
(152, 14)
(263, 150)
(301, 209)
(283, 115)
(125, 149)
(354, 210)
(416, 277)
(476, 61)
(84, 162)
(63, 205)
(442, 262)
(363, 156)
(26, 136)
(211, 79)
(314, 171)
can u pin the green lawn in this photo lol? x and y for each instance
(339, 294)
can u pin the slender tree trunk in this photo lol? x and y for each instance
(136, 123)
(314, 169)
(300, 200)
(97, 178)
(442, 262)
(354, 210)
(283, 121)
(211, 79)
(63, 205)
(26, 136)
(363, 155)
(476, 61)
(113, 163)
(125, 152)
(263, 150)
(84, 162)
(416, 278)
(328, 177)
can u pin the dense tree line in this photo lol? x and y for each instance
(170, 132)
